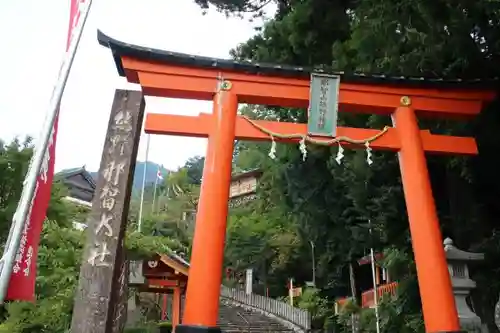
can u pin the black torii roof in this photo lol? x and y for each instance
(119, 49)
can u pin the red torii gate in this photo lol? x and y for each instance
(228, 83)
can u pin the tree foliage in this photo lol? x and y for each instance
(60, 249)
(329, 205)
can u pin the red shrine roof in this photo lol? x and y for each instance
(368, 259)
(173, 261)
(123, 49)
(178, 259)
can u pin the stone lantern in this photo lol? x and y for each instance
(462, 284)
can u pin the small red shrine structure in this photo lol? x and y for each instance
(164, 274)
(383, 283)
(228, 83)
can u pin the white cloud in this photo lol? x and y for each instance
(33, 38)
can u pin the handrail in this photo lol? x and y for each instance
(367, 298)
(288, 313)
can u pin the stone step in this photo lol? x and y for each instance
(251, 324)
(253, 329)
(234, 319)
(257, 330)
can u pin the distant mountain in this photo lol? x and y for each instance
(151, 172)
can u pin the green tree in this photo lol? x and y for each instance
(60, 249)
(14, 161)
(58, 269)
(330, 204)
(174, 212)
(194, 166)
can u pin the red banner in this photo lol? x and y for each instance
(22, 280)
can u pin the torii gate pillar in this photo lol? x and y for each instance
(438, 303)
(205, 276)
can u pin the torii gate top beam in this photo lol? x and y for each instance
(177, 75)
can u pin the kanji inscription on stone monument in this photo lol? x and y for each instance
(98, 306)
(120, 296)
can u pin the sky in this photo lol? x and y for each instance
(33, 34)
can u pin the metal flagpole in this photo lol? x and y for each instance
(141, 204)
(19, 218)
(375, 293)
(154, 191)
(313, 264)
(168, 196)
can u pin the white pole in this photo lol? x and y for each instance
(313, 264)
(249, 281)
(12, 245)
(168, 196)
(141, 204)
(375, 293)
(154, 192)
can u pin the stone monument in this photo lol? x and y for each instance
(462, 284)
